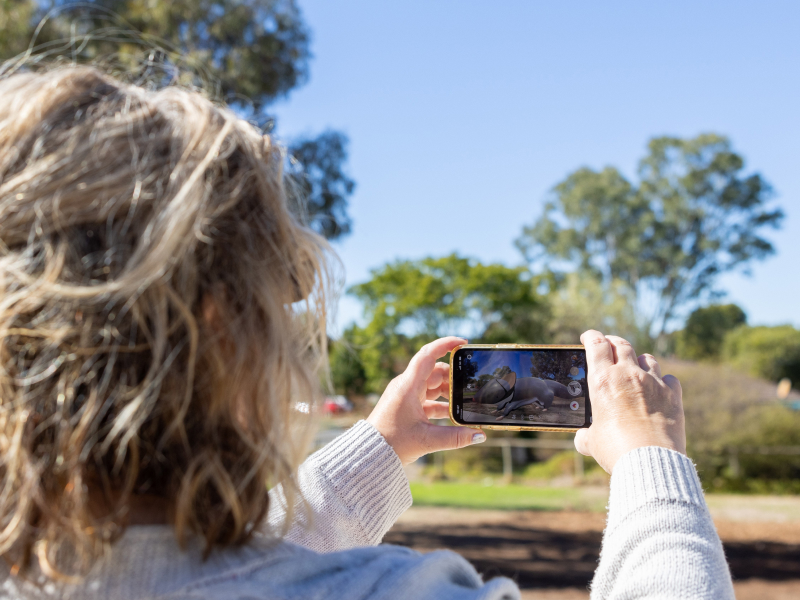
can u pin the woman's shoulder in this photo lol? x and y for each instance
(149, 564)
(287, 571)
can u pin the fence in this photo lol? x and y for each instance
(734, 453)
(506, 444)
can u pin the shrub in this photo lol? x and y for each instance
(561, 464)
(760, 427)
(705, 330)
(769, 352)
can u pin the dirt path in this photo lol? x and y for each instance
(552, 555)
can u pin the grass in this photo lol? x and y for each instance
(508, 497)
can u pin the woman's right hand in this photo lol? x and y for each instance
(632, 404)
(403, 412)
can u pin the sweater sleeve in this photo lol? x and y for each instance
(354, 490)
(660, 541)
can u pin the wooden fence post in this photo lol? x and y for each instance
(507, 466)
(733, 462)
(578, 465)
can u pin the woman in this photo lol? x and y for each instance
(162, 313)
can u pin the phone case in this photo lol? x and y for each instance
(510, 347)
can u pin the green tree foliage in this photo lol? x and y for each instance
(246, 52)
(692, 215)
(321, 183)
(577, 303)
(768, 352)
(347, 371)
(408, 303)
(15, 19)
(702, 336)
(255, 50)
(451, 295)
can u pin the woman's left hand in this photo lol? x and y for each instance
(402, 413)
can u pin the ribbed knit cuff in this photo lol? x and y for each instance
(651, 475)
(367, 474)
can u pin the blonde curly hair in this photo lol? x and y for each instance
(162, 310)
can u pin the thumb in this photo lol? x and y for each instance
(582, 442)
(442, 437)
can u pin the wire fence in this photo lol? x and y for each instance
(506, 444)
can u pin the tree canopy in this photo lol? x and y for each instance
(768, 352)
(322, 184)
(693, 215)
(408, 303)
(705, 330)
(452, 295)
(245, 52)
(254, 50)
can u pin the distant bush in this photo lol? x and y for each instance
(725, 407)
(467, 464)
(705, 329)
(767, 352)
(759, 427)
(559, 465)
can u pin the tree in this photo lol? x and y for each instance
(408, 303)
(246, 52)
(321, 183)
(347, 370)
(705, 330)
(578, 303)
(768, 352)
(451, 295)
(692, 215)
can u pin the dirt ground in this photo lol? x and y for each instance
(552, 555)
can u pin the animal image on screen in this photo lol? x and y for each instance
(522, 387)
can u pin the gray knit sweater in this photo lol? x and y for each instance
(660, 542)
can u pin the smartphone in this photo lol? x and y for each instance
(519, 387)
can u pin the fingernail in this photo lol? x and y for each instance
(479, 438)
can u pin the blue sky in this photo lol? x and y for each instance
(463, 115)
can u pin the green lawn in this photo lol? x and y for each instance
(508, 497)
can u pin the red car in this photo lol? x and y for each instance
(335, 405)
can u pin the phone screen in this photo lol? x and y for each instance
(521, 387)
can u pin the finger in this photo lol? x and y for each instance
(421, 366)
(442, 437)
(599, 353)
(650, 364)
(623, 351)
(436, 410)
(441, 372)
(443, 391)
(673, 383)
(582, 439)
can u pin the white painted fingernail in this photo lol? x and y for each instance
(478, 438)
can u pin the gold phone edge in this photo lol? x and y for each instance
(509, 347)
